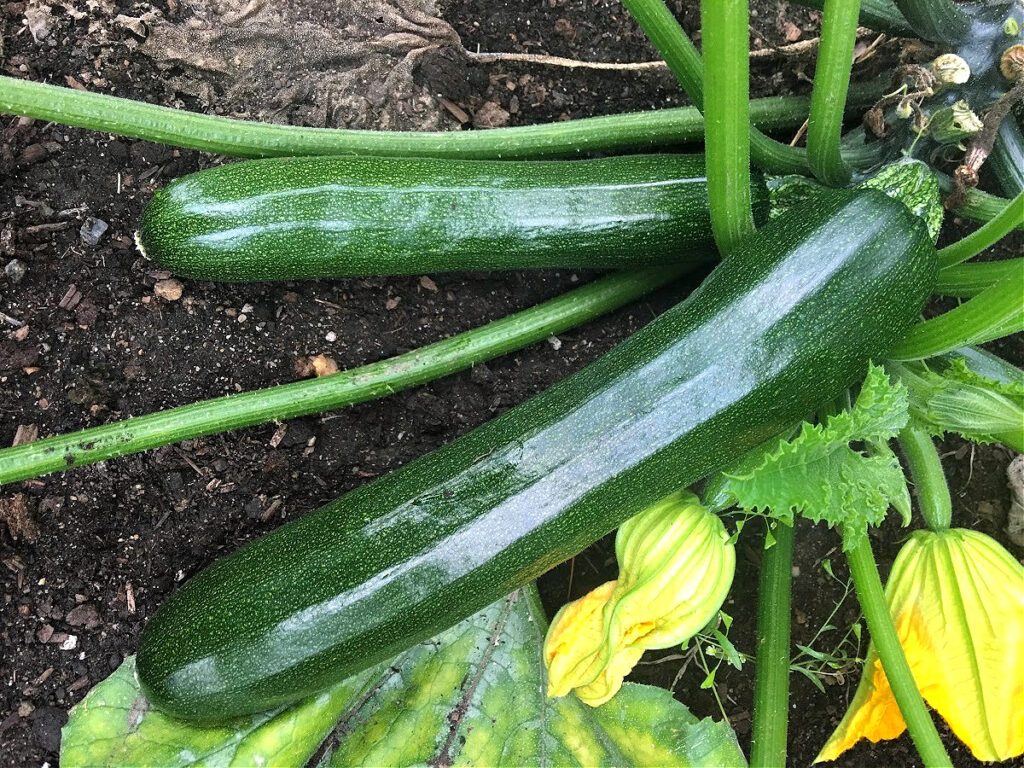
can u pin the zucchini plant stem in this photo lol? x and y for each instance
(967, 280)
(929, 480)
(684, 60)
(368, 382)
(725, 25)
(242, 138)
(1011, 217)
(831, 81)
(979, 206)
(940, 21)
(997, 311)
(868, 585)
(771, 671)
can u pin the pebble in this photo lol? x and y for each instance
(15, 270)
(92, 230)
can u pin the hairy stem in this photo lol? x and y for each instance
(831, 81)
(929, 480)
(683, 59)
(358, 385)
(995, 312)
(883, 634)
(966, 280)
(726, 119)
(994, 230)
(771, 681)
(241, 138)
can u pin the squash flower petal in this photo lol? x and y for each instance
(957, 600)
(676, 566)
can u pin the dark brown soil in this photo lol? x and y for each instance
(108, 543)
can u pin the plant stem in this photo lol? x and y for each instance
(831, 81)
(682, 57)
(358, 385)
(1011, 217)
(980, 206)
(883, 634)
(937, 20)
(967, 280)
(995, 312)
(241, 138)
(882, 15)
(725, 25)
(771, 681)
(929, 480)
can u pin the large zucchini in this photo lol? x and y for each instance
(290, 218)
(780, 328)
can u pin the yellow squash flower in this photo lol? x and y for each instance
(957, 600)
(675, 568)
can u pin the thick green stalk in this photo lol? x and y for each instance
(995, 312)
(725, 38)
(241, 138)
(980, 206)
(929, 480)
(831, 81)
(966, 280)
(771, 681)
(881, 15)
(682, 57)
(994, 230)
(940, 21)
(368, 382)
(883, 634)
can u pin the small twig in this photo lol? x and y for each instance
(793, 49)
(12, 321)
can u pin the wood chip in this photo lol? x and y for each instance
(14, 512)
(129, 595)
(278, 436)
(71, 297)
(26, 433)
(428, 284)
(455, 110)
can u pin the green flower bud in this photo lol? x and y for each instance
(1011, 27)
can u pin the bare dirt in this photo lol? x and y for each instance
(89, 554)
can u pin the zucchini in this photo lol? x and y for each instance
(780, 328)
(292, 218)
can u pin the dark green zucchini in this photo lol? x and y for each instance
(780, 328)
(291, 218)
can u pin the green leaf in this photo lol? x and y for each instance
(474, 695)
(953, 398)
(820, 475)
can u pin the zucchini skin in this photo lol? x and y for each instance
(780, 328)
(307, 217)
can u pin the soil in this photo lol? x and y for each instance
(98, 548)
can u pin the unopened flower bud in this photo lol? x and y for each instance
(1011, 27)
(676, 565)
(1011, 63)
(950, 69)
